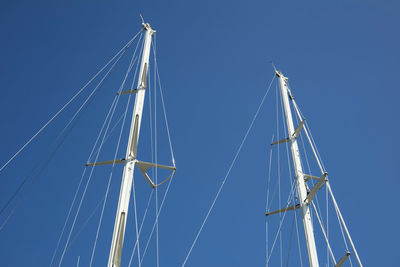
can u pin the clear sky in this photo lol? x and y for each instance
(342, 59)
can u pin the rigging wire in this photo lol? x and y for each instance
(327, 221)
(83, 226)
(77, 189)
(126, 46)
(324, 233)
(228, 172)
(133, 59)
(298, 239)
(290, 241)
(90, 176)
(278, 157)
(266, 203)
(322, 168)
(85, 189)
(320, 163)
(57, 146)
(163, 107)
(156, 220)
(298, 119)
(155, 153)
(112, 130)
(313, 184)
(141, 226)
(81, 179)
(288, 161)
(90, 155)
(291, 195)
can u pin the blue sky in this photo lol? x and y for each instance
(342, 60)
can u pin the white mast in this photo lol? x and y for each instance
(300, 178)
(114, 259)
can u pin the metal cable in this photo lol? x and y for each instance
(228, 172)
(76, 115)
(156, 220)
(79, 185)
(69, 102)
(133, 59)
(141, 226)
(90, 176)
(164, 109)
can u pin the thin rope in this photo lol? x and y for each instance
(69, 101)
(88, 181)
(156, 220)
(83, 226)
(291, 180)
(298, 119)
(290, 241)
(322, 168)
(327, 219)
(316, 199)
(299, 114)
(112, 130)
(115, 155)
(84, 192)
(80, 182)
(291, 195)
(33, 180)
(324, 233)
(155, 152)
(81, 200)
(57, 138)
(228, 172)
(141, 225)
(136, 216)
(81, 179)
(279, 166)
(298, 240)
(266, 203)
(163, 106)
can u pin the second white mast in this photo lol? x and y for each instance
(300, 181)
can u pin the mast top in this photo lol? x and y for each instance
(279, 74)
(147, 27)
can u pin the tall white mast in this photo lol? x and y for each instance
(300, 178)
(114, 259)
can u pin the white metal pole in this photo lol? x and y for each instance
(300, 182)
(114, 259)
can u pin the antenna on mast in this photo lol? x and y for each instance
(140, 14)
(273, 65)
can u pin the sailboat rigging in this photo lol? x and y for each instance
(131, 156)
(306, 193)
(302, 197)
